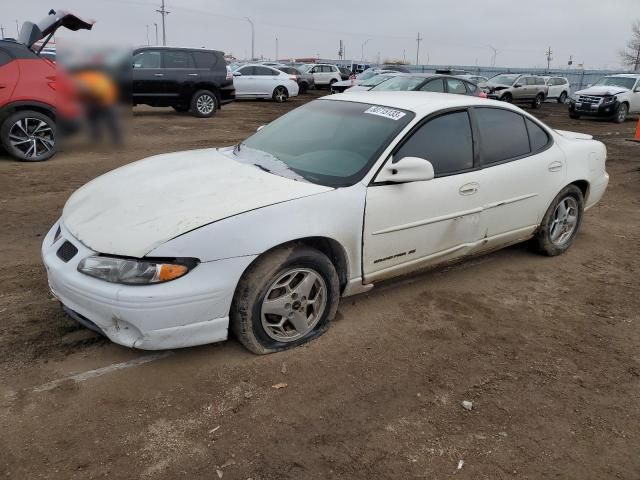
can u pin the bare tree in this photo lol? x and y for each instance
(630, 56)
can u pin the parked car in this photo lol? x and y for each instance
(559, 88)
(324, 202)
(373, 81)
(614, 96)
(324, 75)
(305, 80)
(518, 88)
(345, 72)
(341, 86)
(36, 98)
(428, 82)
(474, 78)
(261, 81)
(191, 80)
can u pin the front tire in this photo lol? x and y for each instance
(303, 88)
(562, 98)
(561, 223)
(285, 299)
(29, 136)
(204, 104)
(537, 102)
(280, 94)
(621, 113)
(507, 97)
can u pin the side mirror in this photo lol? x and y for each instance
(407, 169)
(260, 128)
(517, 85)
(237, 74)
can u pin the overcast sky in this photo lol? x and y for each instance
(458, 32)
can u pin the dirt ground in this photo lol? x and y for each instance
(547, 349)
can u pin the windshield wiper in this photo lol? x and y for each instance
(261, 167)
(236, 147)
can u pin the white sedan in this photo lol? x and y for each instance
(345, 191)
(262, 81)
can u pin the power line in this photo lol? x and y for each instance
(164, 13)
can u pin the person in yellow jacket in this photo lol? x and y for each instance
(99, 94)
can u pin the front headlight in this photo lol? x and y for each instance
(609, 99)
(135, 272)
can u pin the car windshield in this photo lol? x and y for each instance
(377, 80)
(304, 68)
(367, 75)
(624, 82)
(400, 84)
(504, 80)
(332, 143)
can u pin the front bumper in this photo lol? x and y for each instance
(192, 310)
(596, 110)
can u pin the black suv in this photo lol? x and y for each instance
(187, 79)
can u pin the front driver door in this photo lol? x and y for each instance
(411, 225)
(634, 99)
(244, 83)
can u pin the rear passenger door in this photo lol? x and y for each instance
(180, 74)
(455, 86)
(266, 79)
(207, 69)
(522, 172)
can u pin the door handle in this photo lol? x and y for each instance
(158, 74)
(555, 166)
(193, 74)
(468, 189)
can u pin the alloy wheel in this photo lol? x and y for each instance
(280, 94)
(205, 104)
(564, 221)
(622, 113)
(32, 137)
(294, 304)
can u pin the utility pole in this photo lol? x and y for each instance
(164, 13)
(156, 34)
(493, 57)
(253, 38)
(2, 30)
(148, 35)
(17, 29)
(418, 40)
(363, 45)
(276, 59)
(549, 58)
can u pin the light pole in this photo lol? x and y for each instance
(363, 45)
(156, 34)
(276, 59)
(253, 38)
(495, 54)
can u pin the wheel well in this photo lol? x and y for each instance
(583, 185)
(11, 109)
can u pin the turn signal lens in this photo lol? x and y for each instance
(135, 272)
(166, 271)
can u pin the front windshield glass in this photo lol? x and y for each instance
(332, 143)
(505, 80)
(624, 82)
(304, 68)
(377, 80)
(400, 84)
(366, 75)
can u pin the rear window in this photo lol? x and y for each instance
(503, 135)
(538, 138)
(205, 59)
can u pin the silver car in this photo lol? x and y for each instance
(517, 88)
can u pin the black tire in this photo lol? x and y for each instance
(204, 104)
(621, 113)
(507, 97)
(256, 283)
(41, 130)
(545, 244)
(537, 102)
(280, 94)
(180, 108)
(575, 116)
(303, 88)
(562, 98)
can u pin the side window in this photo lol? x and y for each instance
(177, 59)
(205, 60)
(263, 71)
(503, 135)
(445, 141)
(433, 86)
(456, 86)
(538, 138)
(471, 88)
(246, 70)
(147, 59)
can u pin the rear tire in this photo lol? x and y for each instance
(537, 102)
(303, 88)
(280, 94)
(269, 285)
(204, 104)
(561, 222)
(562, 98)
(29, 136)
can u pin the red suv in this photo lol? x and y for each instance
(36, 98)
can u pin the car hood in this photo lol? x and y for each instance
(31, 33)
(134, 209)
(602, 90)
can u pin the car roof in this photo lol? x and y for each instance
(626, 75)
(422, 103)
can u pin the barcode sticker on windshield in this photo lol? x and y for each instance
(386, 112)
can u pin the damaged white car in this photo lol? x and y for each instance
(343, 192)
